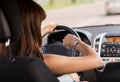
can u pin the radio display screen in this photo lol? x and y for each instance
(113, 39)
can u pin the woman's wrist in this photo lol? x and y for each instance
(75, 43)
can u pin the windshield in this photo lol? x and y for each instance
(76, 13)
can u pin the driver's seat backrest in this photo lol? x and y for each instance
(18, 69)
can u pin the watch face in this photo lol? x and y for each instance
(75, 42)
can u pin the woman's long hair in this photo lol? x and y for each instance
(32, 16)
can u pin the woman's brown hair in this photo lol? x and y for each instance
(32, 15)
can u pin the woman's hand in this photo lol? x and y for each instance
(49, 27)
(68, 40)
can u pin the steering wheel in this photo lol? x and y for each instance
(67, 29)
(58, 48)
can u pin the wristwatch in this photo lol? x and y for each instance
(75, 42)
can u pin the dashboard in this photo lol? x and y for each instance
(104, 39)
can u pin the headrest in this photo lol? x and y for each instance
(10, 22)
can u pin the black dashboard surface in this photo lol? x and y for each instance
(95, 30)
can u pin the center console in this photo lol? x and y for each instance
(108, 47)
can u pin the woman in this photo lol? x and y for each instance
(30, 44)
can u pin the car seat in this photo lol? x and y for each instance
(18, 69)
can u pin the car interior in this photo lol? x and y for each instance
(105, 39)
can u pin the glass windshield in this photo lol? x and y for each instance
(81, 12)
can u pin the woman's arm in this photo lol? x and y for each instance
(62, 64)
